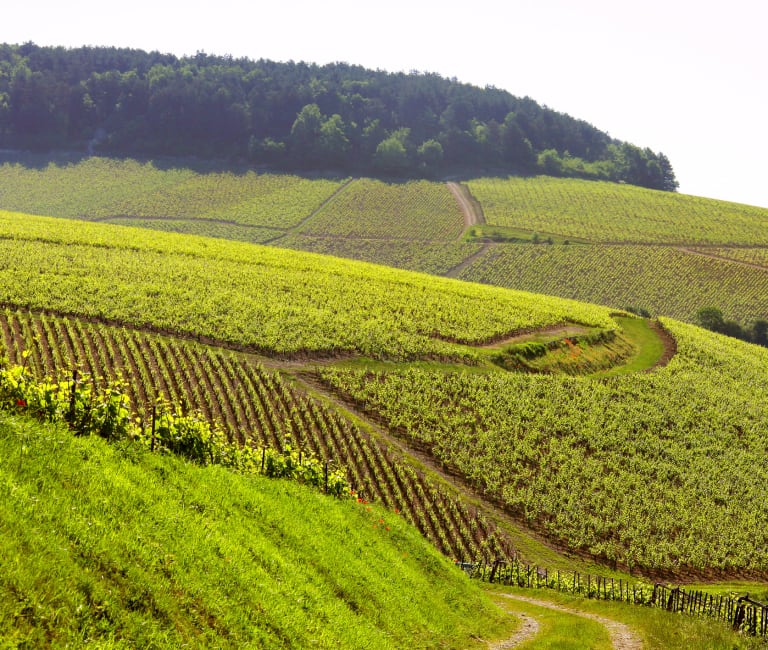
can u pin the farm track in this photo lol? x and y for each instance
(470, 208)
(621, 635)
(254, 405)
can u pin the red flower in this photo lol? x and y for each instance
(21, 402)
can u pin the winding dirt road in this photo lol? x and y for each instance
(621, 635)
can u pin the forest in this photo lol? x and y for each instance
(297, 116)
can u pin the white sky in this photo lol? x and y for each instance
(682, 77)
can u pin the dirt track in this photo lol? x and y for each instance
(473, 214)
(622, 636)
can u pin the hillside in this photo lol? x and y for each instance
(114, 547)
(296, 116)
(612, 244)
(436, 374)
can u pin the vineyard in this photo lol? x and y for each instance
(661, 279)
(662, 471)
(102, 188)
(370, 209)
(255, 406)
(426, 257)
(608, 212)
(263, 299)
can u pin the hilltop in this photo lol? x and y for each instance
(296, 116)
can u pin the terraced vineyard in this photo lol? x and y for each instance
(607, 212)
(255, 405)
(263, 299)
(661, 279)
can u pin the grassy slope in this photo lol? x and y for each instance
(128, 549)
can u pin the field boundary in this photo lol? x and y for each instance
(297, 228)
(468, 261)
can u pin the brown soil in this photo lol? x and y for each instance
(670, 344)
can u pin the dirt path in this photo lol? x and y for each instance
(473, 213)
(722, 258)
(528, 630)
(622, 636)
(456, 270)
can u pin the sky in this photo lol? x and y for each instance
(689, 79)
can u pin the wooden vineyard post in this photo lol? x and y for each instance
(72, 392)
(152, 443)
(325, 476)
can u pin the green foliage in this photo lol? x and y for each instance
(106, 412)
(585, 460)
(138, 103)
(103, 188)
(371, 209)
(659, 279)
(264, 299)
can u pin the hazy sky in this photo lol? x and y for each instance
(686, 78)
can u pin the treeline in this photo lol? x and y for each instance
(297, 116)
(712, 318)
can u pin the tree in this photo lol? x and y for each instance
(305, 134)
(711, 318)
(334, 143)
(430, 154)
(760, 332)
(391, 156)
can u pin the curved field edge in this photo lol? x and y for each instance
(267, 299)
(112, 544)
(662, 473)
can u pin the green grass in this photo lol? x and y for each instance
(116, 547)
(648, 347)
